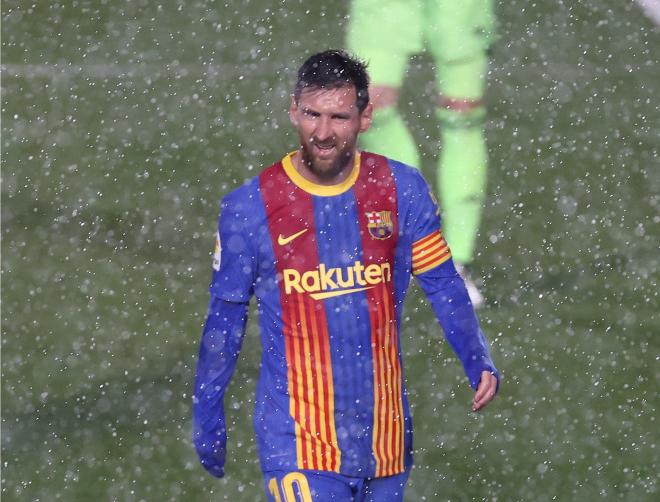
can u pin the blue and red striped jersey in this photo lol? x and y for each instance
(329, 267)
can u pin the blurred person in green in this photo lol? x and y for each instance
(457, 34)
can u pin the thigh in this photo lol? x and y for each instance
(307, 486)
(388, 489)
(456, 31)
(385, 33)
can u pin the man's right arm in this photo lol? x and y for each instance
(219, 348)
(232, 285)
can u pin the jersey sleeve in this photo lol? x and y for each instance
(453, 310)
(435, 272)
(234, 257)
(429, 248)
(219, 348)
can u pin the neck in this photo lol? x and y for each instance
(304, 170)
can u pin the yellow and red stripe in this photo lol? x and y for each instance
(306, 339)
(429, 252)
(387, 441)
(388, 416)
(310, 385)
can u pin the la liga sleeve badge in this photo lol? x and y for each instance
(217, 252)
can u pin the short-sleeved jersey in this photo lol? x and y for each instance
(330, 266)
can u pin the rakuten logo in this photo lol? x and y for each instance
(325, 282)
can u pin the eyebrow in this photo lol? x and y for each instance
(307, 110)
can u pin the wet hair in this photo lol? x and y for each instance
(332, 69)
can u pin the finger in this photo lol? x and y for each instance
(487, 398)
(483, 385)
(480, 395)
(481, 389)
(488, 392)
(481, 404)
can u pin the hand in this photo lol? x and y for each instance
(215, 470)
(485, 391)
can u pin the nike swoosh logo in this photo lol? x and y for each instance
(282, 241)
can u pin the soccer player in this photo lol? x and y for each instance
(457, 34)
(327, 240)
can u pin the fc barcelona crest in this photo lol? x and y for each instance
(380, 224)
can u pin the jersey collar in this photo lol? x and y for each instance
(316, 189)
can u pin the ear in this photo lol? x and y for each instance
(293, 111)
(365, 117)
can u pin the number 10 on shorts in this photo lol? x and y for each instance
(292, 488)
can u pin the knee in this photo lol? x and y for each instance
(384, 96)
(460, 113)
(462, 106)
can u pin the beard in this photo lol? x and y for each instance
(326, 169)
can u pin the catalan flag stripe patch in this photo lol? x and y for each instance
(429, 252)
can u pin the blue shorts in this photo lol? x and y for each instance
(322, 486)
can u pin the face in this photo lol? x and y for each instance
(328, 124)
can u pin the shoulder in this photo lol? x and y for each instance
(243, 198)
(380, 165)
(246, 199)
(404, 174)
(410, 183)
(414, 194)
(407, 176)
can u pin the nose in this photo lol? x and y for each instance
(323, 129)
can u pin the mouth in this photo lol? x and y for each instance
(324, 149)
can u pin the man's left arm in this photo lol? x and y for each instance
(451, 305)
(434, 269)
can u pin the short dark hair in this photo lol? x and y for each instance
(332, 69)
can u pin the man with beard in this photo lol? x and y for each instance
(327, 239)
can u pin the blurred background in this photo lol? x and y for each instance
(124, 122)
